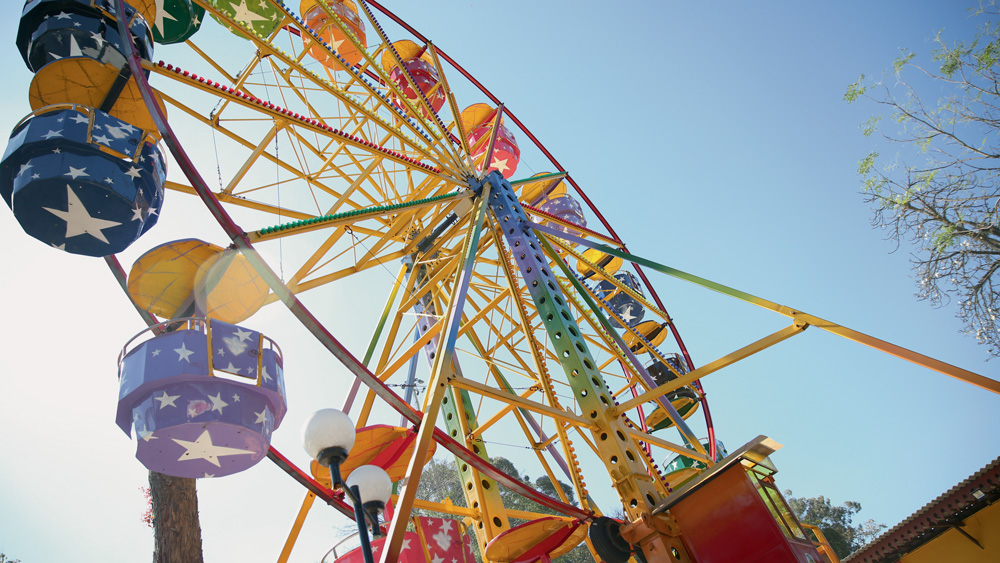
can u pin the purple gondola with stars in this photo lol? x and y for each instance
(203, 397)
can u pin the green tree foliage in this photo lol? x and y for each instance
(836, 522)
(439, 480)
(942, 190)
(5, 559)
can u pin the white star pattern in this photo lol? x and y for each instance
(500, 165)
(235, 345)
(23, 168)
(203, 448)
(132, 171)
(79, 118)
(262, 416)
(103, 139)
(76, 172)
(236, 398)
(146, 435)
(167, 400)
(156, 353)
(161, 14)
(245, 15)
(97, 37)
(51, 134)
(137, 213)
(231, 368)
(116, 132)
(243, 335)
(217, 403)
(264, 374)
(627, 314)
(443, 539)
(79, 221)
(183, 353)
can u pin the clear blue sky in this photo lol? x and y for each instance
(714, 138)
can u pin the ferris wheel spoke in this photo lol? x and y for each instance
(369, 64)
(467, 163)
(504, 396)
(360, 116)
(341, 224)
(640, 436)
(379, 237)
(365, 174)
(313, 180)
(422, 110)
(433, 131)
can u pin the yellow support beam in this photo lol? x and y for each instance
(710, 367)
(510, 398)
(293, 534)
(840, 330)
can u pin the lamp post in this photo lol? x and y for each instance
(328, 436)
(372, 484)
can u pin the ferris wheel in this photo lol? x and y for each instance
(351, 144)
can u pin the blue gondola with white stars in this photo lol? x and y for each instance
(623, 304)
(82, 181)
(52, 30)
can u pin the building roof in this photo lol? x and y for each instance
(961, 501)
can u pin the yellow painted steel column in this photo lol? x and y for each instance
(437, 387)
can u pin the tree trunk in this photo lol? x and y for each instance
(176, 530)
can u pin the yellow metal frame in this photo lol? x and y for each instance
(356, 186)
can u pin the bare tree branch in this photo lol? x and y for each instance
(947, 204)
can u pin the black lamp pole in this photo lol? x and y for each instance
(359, 516)
(333, 457)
